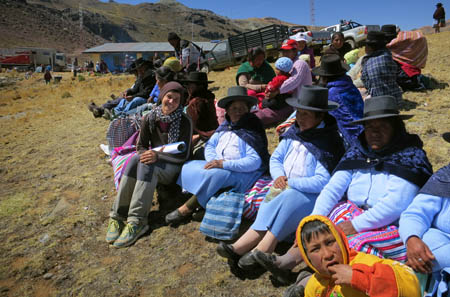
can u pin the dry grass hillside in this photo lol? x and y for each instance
(57, 189)
(56, 23)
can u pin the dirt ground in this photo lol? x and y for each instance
(57, 188)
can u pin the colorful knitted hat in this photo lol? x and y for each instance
(284, 64)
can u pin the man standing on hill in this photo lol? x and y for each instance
(439, 16)
(188, 53)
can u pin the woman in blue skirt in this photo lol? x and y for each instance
(300, 166)
(235, 156)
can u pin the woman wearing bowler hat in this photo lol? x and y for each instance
(201, 109)
(381, 174)
(235, 156)
(300, 166)
(379, 71)
(379, 177)
(425, 227)
(332, 73)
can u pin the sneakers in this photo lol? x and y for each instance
(105, 149)
(91, 106)
(130, 234)
(108, 114)
(114, 229)
(96, 110)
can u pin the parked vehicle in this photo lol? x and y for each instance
(30, 58)
(233, 51)
(315, 39)
(354, 33)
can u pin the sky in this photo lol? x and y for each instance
(407, 14)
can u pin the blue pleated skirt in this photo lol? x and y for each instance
(204, 183)
(283, 214)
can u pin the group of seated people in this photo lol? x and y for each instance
(349, 181)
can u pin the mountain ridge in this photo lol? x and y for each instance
(58, 23)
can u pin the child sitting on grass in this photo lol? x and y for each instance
(340, 271)
(282, 68)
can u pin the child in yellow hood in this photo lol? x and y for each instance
(343, 272)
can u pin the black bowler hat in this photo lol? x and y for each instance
(173, 36)
(164, 73)
(237, 94)
(331, 65)
(141, 62)
(197, 77)
(380, 107)
(390, 31)
(376, 37)
(446, 136)
(313, 98)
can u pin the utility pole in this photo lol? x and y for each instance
(80, 13)
(312, 12)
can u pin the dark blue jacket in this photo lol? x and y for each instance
(351, 106)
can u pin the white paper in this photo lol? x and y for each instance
(172, 148)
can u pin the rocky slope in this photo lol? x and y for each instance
(56, 23)
(22, 24)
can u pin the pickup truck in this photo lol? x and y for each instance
(354, 33)
(233, 51)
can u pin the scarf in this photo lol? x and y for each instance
(404, 157)
(250, 129)
(263, 74)
(324, 143)
(439, 183)
(174, 119)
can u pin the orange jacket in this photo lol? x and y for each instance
(372, 276)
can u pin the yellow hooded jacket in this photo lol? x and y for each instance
(371, 276)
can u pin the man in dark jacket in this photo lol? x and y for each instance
(145, 80)
(439, 16)
(139, 93)
(188, 53)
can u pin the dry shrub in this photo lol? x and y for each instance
(66, 95)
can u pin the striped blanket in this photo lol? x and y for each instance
(384, 242)
(255, 196)
(410, 47)
(120, 157)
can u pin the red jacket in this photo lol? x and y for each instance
(276, 82)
